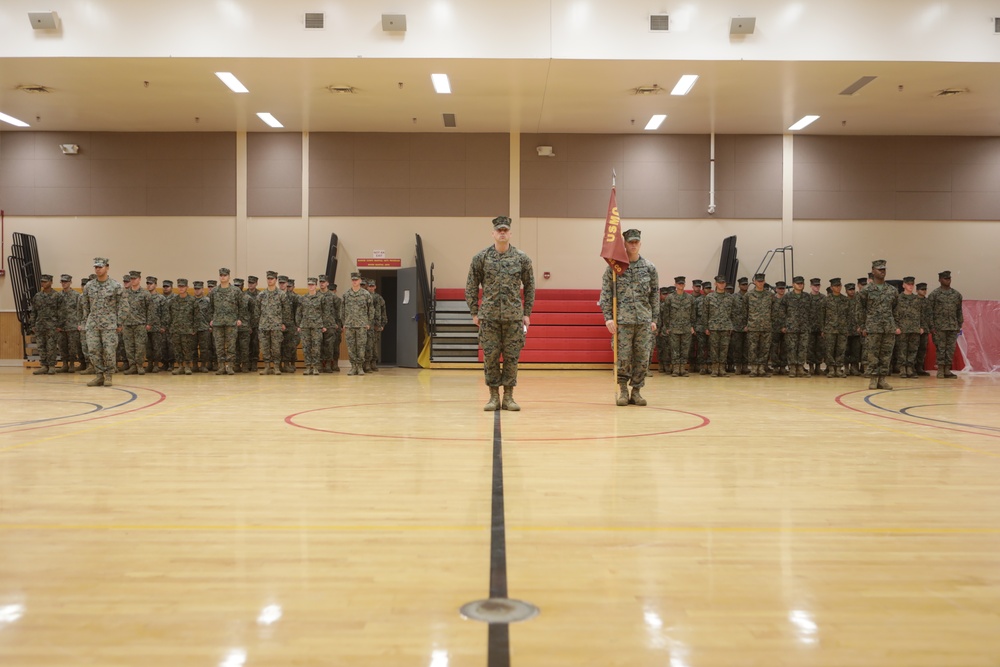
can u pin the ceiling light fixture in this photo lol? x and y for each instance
(858, 85)
(232, 82)
(684, 84)
(13, 121)
(269, 119)
(655, 122)
(803, 122)
(441, 83)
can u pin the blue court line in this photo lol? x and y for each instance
(904, 411)
(97, 408)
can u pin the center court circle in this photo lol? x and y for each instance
(689, 421)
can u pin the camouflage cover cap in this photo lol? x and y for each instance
(213, 283)
(719, 279)
(291, 281)
(664, 290)
(312, 281)
(252, 279)
(282, 279)
(223, 271)
(238, 282)
(671, 290)
(679, 279)
(46, 277)
(815, 281)
(150, 280)
(862, 281)
(182, 282)
(849, 286)
(758, 276)
(199, 284)
(730, 287)
(743, 281)
(355, 276)
(909, 280)
(126, 278)
(834, 282)
(92, 276)
(333, 286)
(878, 264)
(101, 261)
(632, 235)
(921, 286)
(780, 285)
(944, 274)
(135, 274)
(66, 278)
(272, 274)
(322, 278)
(798, 279)
(168, 283)
(501, 222)
(696, 283)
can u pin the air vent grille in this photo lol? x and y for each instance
(659, 22)
(449, 119)
(858, 85)
(315, 20)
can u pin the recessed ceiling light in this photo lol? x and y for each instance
(684, 84)
(269, 119)
(232, 82)
(858, 85)
(803, 122)
(441, 83)
(655, 122)
(13, 121)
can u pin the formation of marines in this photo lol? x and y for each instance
(873, 329)
(109, 325)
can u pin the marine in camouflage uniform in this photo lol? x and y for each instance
(243, 332)
(718, 309)
(359, 309)
(253, 354)
(762, 313)
(334, 318)
(227, 312)
(137, 324)
(69, 320)
(701, 325)
(834, 321)
(313, 312)
(909, 319)
(290, 337)
(946, 319)
(185, 317)
(374, 349)
(154, 341)
(738, 340)
(503, 319)
(274, 311)
(852, 357)
(921, 357)
(168, 345)
(202, 355)
(339, 334)
(46, 317)
(693, 352)
(638, 311)
(796, 317)
(678, 321)
(662, 338)
(103, 309)
(878, 302)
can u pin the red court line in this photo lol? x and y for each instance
(905, 421)
(290, 420)
(162, 398)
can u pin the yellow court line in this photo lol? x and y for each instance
(877, 424)
(109, 424)
(374, 528)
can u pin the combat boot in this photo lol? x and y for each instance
(41, 370)
(940, 373)
(831, 372)
(275, 368)
(508, 400)
(89, 370)
(715, 370)
(139, 369)
(873, 383)
(792, 370)
(947, 372)
(841, 372)
(107, 379)
(753, 370)
(222, 370)
(187, 369)
(67, 367)
(684, 372)
(882, 384)
(677, 371)
(229, 369)
(723, 371)
(130, 370)
(623, 395)
(98, 380)
(636, 398)
(335, 366)
(921, 372)
(491, 406)
(178, 370)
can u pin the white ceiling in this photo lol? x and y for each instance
(526, 95)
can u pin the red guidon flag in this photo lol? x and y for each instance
(613, 249)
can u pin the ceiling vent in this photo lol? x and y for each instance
(315, 20)
(742, 25)
(44, 20)
(659, 23)
(647, 90)
(449, 120)
(30, 88)
(858, 85)
(394, 22)
(951, 92)
(342, 90)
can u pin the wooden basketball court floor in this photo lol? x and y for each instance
(333, 520)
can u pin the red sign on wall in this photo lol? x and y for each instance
(379, 262)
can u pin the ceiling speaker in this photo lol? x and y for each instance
(742, 26)
(394, 22)
(43, 20)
